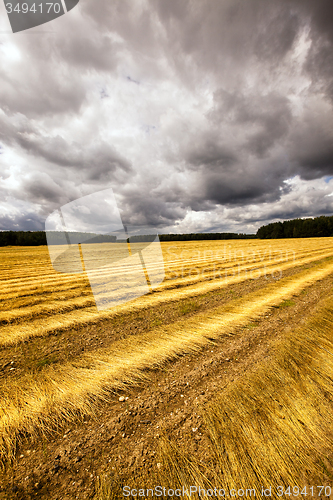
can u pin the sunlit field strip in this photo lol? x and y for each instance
(62, 281)
(251, 250)
(41, 326)
(252, 254)
(11, 259)
(226, 268)
(22, 260)
(41, 279)
(219, 248)
(55, 301)
(41, 289)
(80, 302)
(54, 307)
(61, 391)
(20, 303)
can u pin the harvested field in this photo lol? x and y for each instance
(64, 365)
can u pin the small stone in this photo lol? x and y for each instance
(121, 399)
(194, 429)
(227, 359)
(159, 465)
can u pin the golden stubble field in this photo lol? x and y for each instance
(61, 357)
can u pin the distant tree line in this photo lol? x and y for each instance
(22, 238)
(205, 236)
(36, 238)
(298, 228)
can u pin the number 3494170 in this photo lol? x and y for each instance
(34, 8)
(311, 491)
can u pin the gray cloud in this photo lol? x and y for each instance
(266, 117)
(20, 222)
(98, 159)
(199, 114)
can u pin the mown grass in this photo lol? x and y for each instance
(67, 301)
(271, 428)
(286, 303)
(274, 427)
(188, 308)
(31, 405)
(40, 363)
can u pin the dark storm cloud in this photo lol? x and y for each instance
(211, 155)
(314, 154)
(226, 175)
(269, 115)
(238, 95)
(230, 31)
(319, 66)
(243, 184)
(38, 187)
(151, 211)
(310, 143)
(98, 159)
(319, 62)
(320, 13)
(27, 222)
(234, 191)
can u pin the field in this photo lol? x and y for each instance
(220, 377)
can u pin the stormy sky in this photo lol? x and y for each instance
(201, 115)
